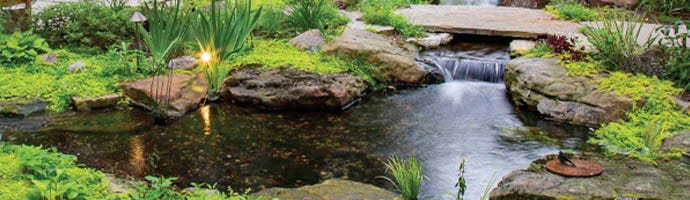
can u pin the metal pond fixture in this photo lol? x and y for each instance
(137, 18)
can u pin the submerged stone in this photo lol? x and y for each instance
(282, 87)
(21, 107)
(330, 190)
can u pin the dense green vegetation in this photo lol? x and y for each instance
(619, 53)
(382, 12)
(572, 10)
(33, 173)
(641, 135)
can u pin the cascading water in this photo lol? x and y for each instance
(472, 2)
(468, 62)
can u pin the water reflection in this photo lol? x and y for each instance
(137, 155)
(206, 116)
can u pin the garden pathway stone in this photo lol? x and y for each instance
(489, 21)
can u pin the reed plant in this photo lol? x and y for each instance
(163, 37)
(407, 174)
(306, 14)
(221, 33)
(616, 38)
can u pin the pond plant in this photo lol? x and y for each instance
(221, 33)
(407, 176)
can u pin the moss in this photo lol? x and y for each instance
(587, 68)
(275, 53)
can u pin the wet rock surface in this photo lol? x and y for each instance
(542, 85)
(183, 92)
(623, 177)
(432, 40)
(332, 189)
(14, 108)
(282, 87)
(85, 104)
(394, 62)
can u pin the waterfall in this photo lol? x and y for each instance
(465, 68)
(472, 2)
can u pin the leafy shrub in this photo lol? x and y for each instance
(616, 40)
(640, 136)
(407, 174)
(565, 46)
(21, 47)
(306, 14)
(382, 12)
(85, 26)
(272, 22)
(674, 45)
(572, 10)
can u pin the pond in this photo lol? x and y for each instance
(247, 148)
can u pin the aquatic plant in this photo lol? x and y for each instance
(461, 185)
(407, 174)
(166, 28)
(221, 33)
(487, 189)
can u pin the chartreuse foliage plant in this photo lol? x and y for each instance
(54, 84)
(641, 135)
(21, 47)
(572, 10)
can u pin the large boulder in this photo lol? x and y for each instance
(283, 87)
(545, 86)
(394, 62)
(623, 177)
(183, 92)
(86, 104)
(333, 189)
(310, 40)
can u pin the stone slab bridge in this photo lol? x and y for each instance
(489, 21)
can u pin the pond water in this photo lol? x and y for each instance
(247, 148)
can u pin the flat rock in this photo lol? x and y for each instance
(282, 87)
(432, 40)
(394, 62)
(185, 93)
(521, 47)
(624, 177)
(49, 58)
(309, 40)
(545, 86)
(183, 62)
(21, 107)
(77, 67)
(333, 189)
(490, 21)
(86, 104)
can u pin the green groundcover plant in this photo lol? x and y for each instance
(382, 12)
(29, 172)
